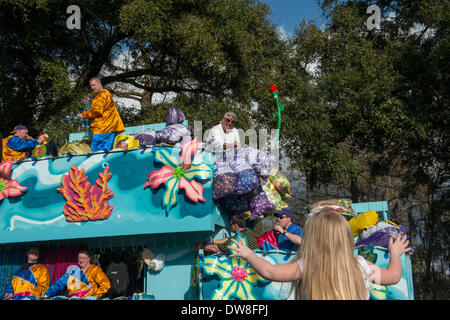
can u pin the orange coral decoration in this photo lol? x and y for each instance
(83, 201)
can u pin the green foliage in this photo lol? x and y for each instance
(358, 103)
(218, 48)
(386, 95)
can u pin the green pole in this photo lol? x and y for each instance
(280, 108)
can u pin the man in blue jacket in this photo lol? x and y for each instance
(289, 235)
(17, 145)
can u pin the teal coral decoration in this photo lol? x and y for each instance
(237, 278)
(178, 172)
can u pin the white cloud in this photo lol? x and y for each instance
(283, 34)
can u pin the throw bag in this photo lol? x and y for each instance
(281, 183)
(363, 221)
(173, 133)
(125, 141)
(246, 178)
(147, 137)
(174, 116)
(77, 147)
(259, 203)
(224, 180)
(273, 195)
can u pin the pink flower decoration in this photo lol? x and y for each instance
(8, 187)
(239, 274)
(178, 172)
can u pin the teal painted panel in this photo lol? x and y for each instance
(377, 206)
(37, 215)
(404, 290)
(173, 281)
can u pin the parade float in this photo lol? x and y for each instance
(161, 200)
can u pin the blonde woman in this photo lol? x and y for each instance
(325, 267)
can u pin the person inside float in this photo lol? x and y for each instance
(82, 280)
(237, 223)
(224, 135)
(105, 121)
(19, 144)
(31, 280)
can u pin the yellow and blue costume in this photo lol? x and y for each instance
(16, 148)
(105, 121)
(31, 280)
(81, 284)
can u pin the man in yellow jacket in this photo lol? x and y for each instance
(31, 280)
(16, 146)
(105, 121)
(82, 280)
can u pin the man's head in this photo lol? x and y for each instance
(229, 120)
(20, 131)
(237, 223)
(284, 217)
(96, 85)
(33, 254)
(84, 259)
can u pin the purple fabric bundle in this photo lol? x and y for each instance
(259, 203)
(236, 203)
(224, 180)
(260, 161)
(173, 133)
(224, 184)
(246, 181)
(246, 178)
(379, 235)
(244, 166)
(174, 116)
(147, 137)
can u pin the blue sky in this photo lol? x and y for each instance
(288, 14)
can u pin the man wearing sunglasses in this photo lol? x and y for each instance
(224, 135)
(289, 235)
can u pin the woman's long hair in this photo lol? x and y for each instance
(330, 270)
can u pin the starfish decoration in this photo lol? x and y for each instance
(179, 172)
(238, 278)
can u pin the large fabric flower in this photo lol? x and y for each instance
(8, 187)
(238, 278)
(178, 172)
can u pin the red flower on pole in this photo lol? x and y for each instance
(273, 88)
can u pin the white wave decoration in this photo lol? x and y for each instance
(22, 219)
(41, 170)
